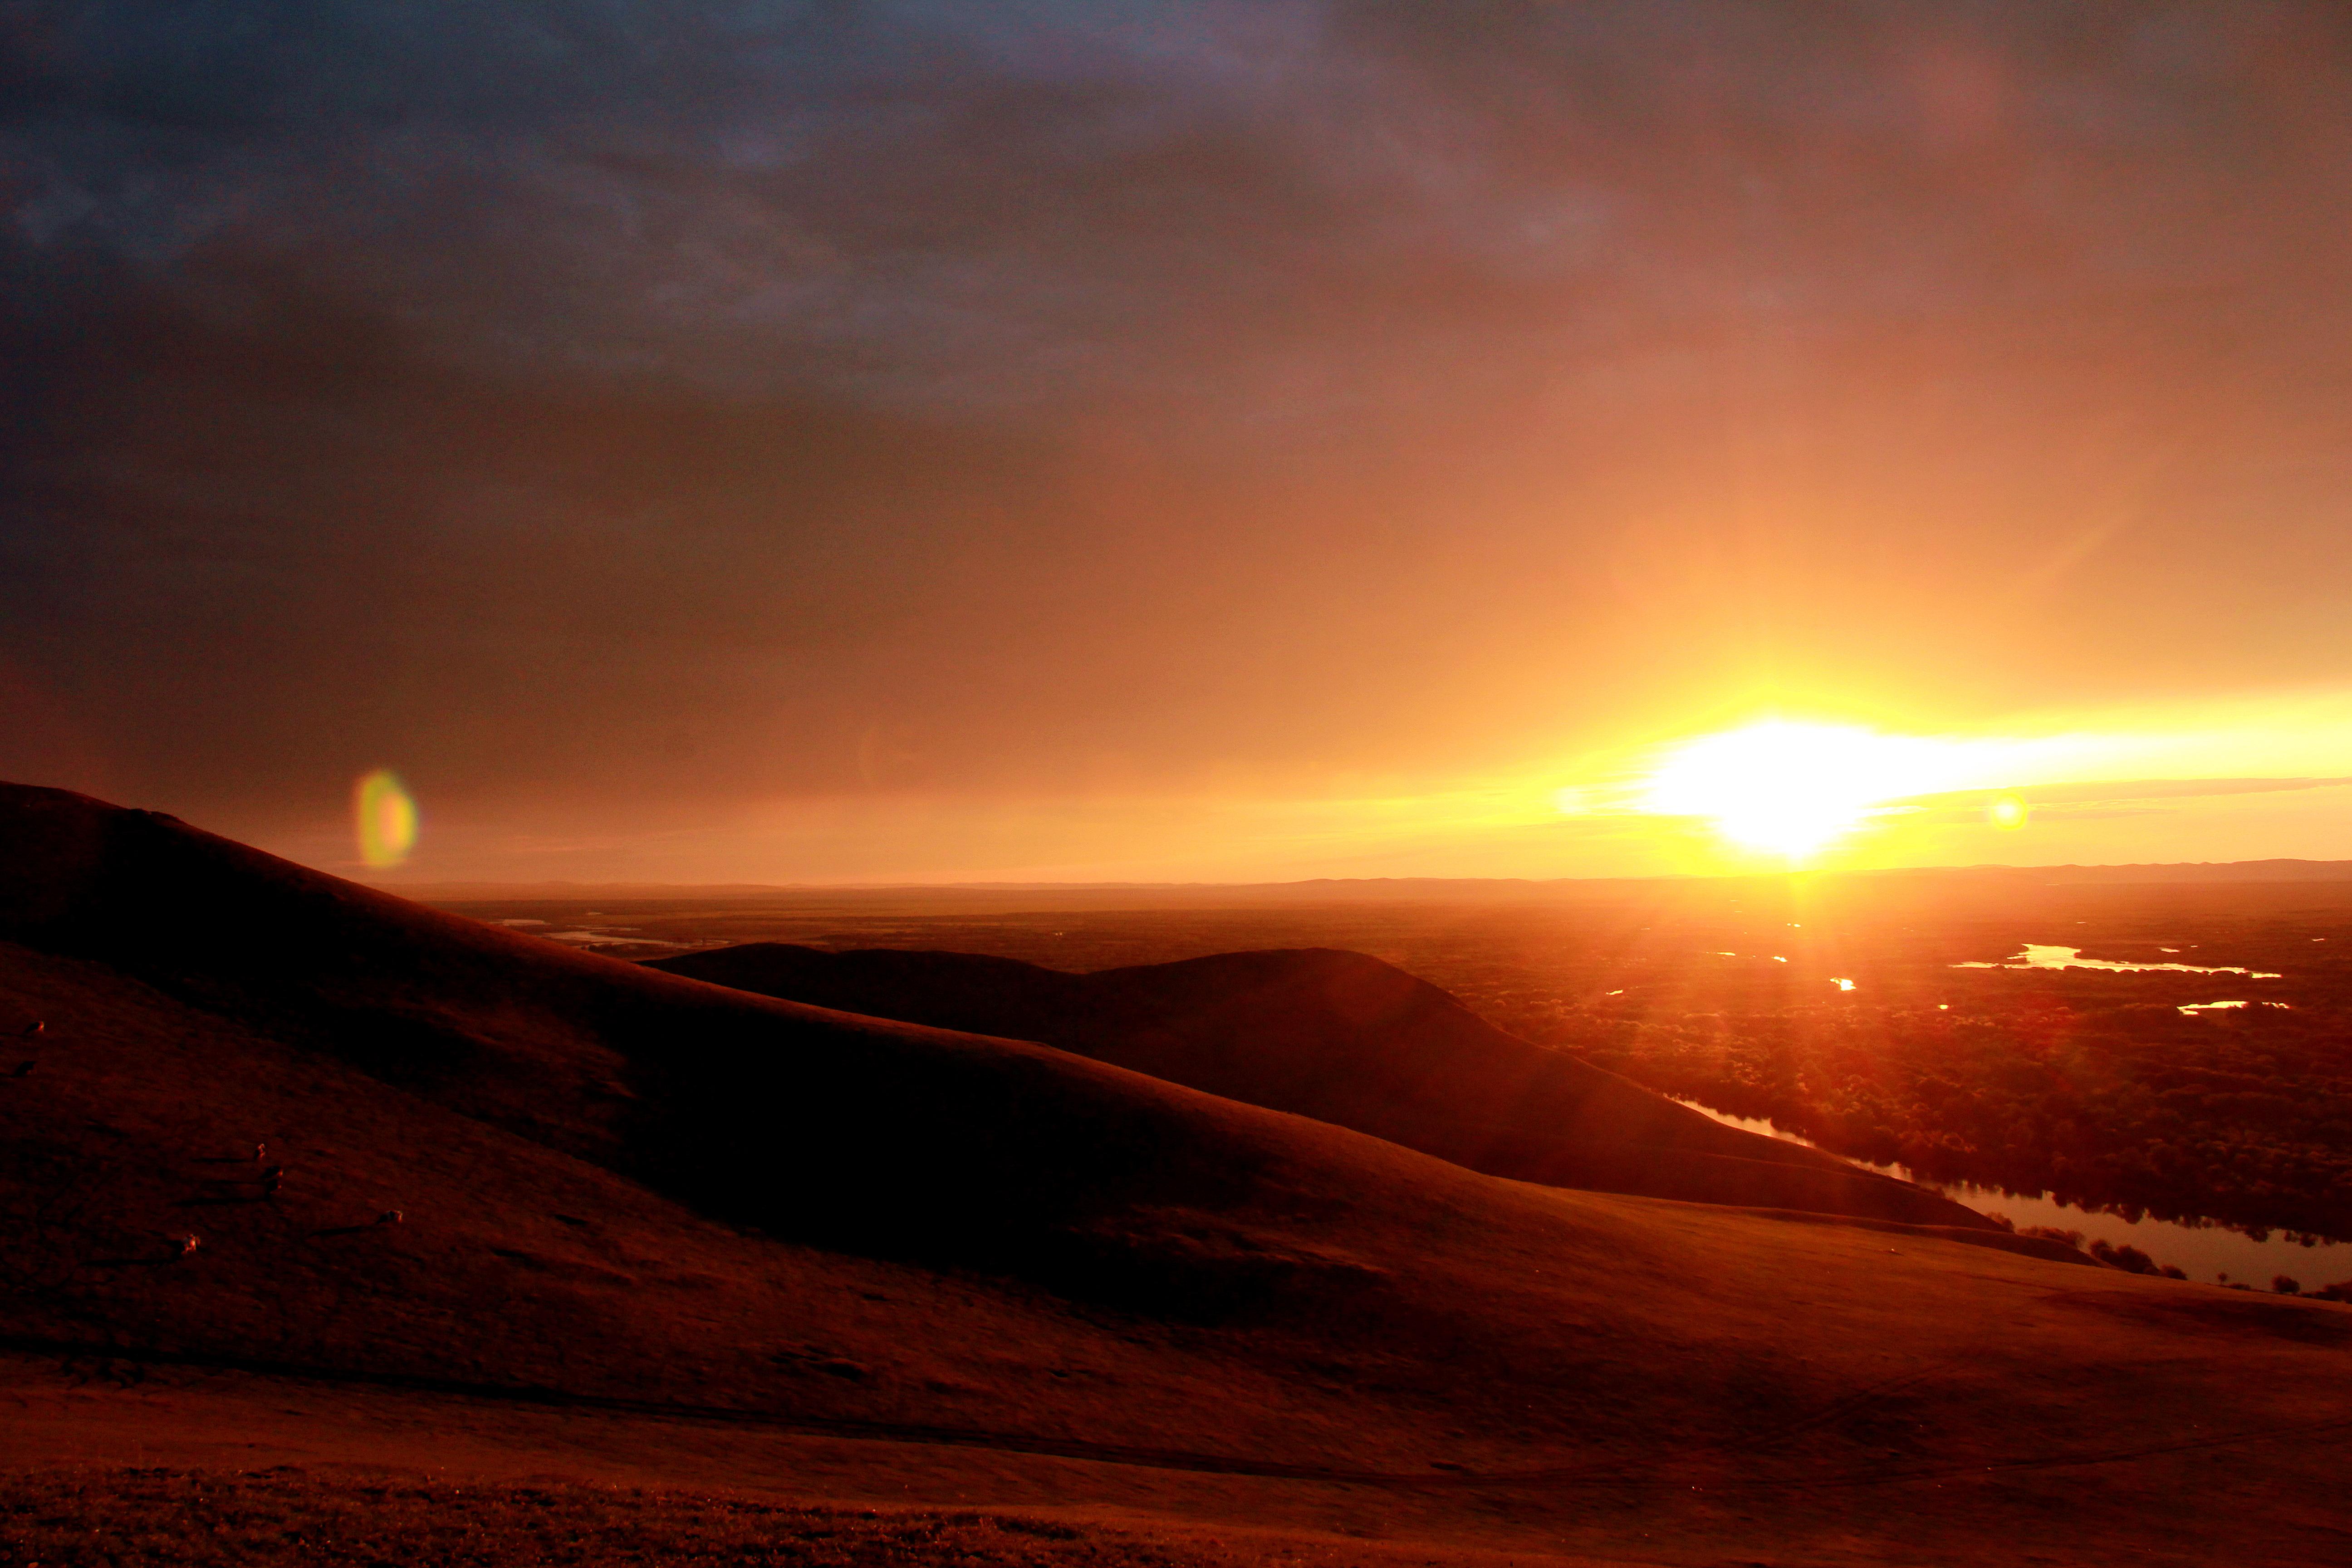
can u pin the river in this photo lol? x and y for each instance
(2207, 1251)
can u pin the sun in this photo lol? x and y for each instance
(1792, 788)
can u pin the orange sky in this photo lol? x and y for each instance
(1181, 442)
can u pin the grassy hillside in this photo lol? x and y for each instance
(657, 1231)
(1348, 1040)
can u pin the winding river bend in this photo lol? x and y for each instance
(2211, 1251)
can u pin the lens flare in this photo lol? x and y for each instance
(384, 815)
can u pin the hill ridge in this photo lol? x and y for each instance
(1347, 1039)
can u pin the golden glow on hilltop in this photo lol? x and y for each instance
(1792, 788)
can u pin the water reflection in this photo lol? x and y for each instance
(2037, 956)
(588, 936)
(603, 936)
(2206, 1250)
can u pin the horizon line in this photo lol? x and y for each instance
(1981, 869)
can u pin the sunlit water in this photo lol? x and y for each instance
(604, 937)
(2204, 1252)
(2037, 956)
(590, 936)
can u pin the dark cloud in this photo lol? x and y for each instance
(981, 205)
(607, 399)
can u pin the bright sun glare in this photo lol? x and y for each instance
(1792, 788)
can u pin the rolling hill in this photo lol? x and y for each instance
(463, 1200)
(1350, 1040)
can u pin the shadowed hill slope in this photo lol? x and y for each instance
(629, 1198)
(1347, 1039)
(426, 1046)
(877, 1136)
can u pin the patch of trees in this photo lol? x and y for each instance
(2244, 1117)
(2127, 1257)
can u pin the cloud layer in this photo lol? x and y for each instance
(652, 407)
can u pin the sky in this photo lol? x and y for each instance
(1111, 440)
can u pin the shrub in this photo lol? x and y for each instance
(2130, 1259)
(2284, 1286)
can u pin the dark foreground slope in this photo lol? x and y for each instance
(660, 1231)
(1350, 1040)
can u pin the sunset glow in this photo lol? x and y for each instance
(1446, 478)
(1289, 777)
(1790, 788)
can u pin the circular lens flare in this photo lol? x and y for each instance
(384, 816)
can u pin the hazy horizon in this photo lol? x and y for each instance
(2178, 872)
